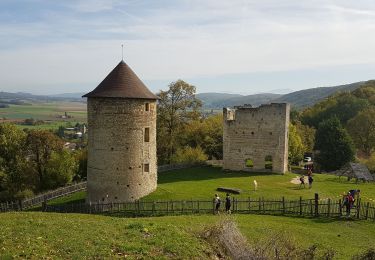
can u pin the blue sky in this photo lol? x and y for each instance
(245, 47)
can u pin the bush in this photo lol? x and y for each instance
(189, 155)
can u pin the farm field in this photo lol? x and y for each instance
(46, 111)
(75, 236)
(202, 182)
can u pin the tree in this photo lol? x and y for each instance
(334, 145)
(296, 147)
(176, 107)
(206, 133)
(14, 171)
(60, 169)
(40, 145)
(362, 130)
(189, 155)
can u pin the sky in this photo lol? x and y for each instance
(245, 47)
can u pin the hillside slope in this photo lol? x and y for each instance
(309, 97)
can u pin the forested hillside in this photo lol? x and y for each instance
(298, 99)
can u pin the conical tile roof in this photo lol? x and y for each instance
(122, 82)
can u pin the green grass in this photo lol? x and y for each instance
(202, 182)
(346, 238)
(75, 236)
(46, 111)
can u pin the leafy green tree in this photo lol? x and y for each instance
(296, 147)
(81, 157)
(60, 169)
(14, 171)
(176, 107)
(40, 145)
(344, 106)
(334, 145)
(206, 133)
(362, 130)
(189, 155)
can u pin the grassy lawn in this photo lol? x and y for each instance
(74, 236)
(46, 111)
(346, 238)
(202, 182)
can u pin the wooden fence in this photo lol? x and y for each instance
(302, 207)
(64, 191)
(41, 198)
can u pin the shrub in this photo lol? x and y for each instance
(189, 155)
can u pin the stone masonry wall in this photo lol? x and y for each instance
(254, 133)
(117, 150)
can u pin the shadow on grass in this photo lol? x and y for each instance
(205, 173)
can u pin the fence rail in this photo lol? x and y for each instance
(302, 207)
(64, 191)
(41, 198)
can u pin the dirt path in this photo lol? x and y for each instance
(296, 180)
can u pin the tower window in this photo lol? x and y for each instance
(147, 134)
(147, 106)
(146, 167)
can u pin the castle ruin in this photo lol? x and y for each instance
(256, 138)
(122, 164)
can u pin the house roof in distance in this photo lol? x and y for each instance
(122, 82)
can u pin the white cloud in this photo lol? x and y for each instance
(189, 39)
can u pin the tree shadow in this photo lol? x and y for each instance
(205, 173)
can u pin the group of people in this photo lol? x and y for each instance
(309, 179)
(228, 204)
(348, 200)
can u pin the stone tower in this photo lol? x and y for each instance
(256, 138)
(121, 114)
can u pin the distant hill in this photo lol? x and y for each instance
(220, 100)
(309, 97)
(298, 99)
(69, 95)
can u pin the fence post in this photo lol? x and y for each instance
(367, 207)
(329, 207)
(316, 200)
(300, 205)
(198, 206)
(340, 208)
(213, 206)
(167, 208)
(358, 208)
(249, 204)
(20, 204)
(153, 207)
(283, 204)
(260, 205)
(182, 206)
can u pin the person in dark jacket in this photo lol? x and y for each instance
(228, 203)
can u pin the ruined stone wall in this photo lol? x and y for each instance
(117, 151)
(252, 134)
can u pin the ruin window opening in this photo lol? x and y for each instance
(268, 162)
(147, 134)
(147, 106)
(249, 163)
(146, 167)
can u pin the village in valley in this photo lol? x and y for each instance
(132, 167)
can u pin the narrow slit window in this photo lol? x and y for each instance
(146, 167)
(147, 106)
(147, 134)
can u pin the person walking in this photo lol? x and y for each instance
(310, 179)
(348, 203)
(217, 203)
(228, 203)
